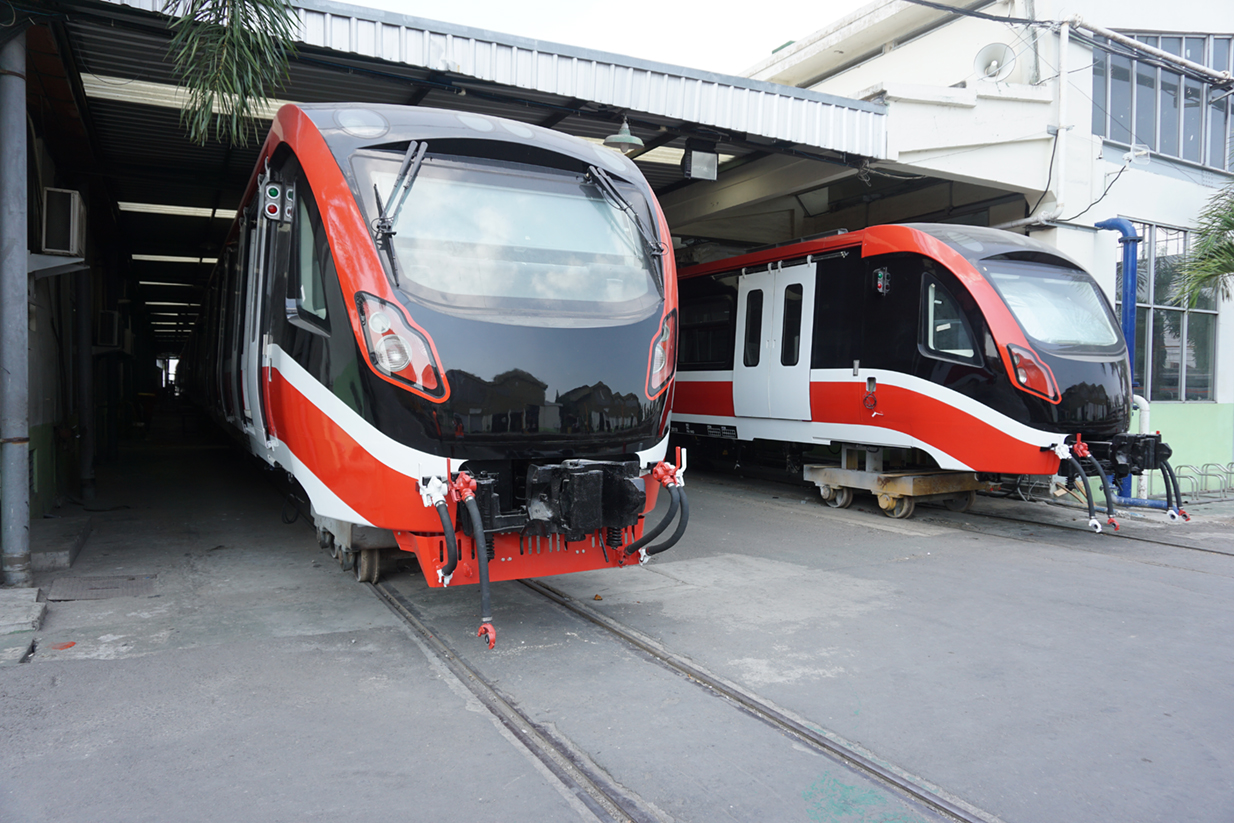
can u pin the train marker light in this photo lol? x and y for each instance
(663, 355)
(1031, 374)
(397, 350)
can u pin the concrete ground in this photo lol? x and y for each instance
(1038, 673)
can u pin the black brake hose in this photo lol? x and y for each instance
(1088, 492)
(651, 534)
(451, 543)
(681, 524)
(1169, 492)
(1105, 487)
(477, 531)
(1173, 480)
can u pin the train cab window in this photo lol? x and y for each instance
(518, 244)
(306, 285)
(944, 331)
(790, 338)
(754, 327)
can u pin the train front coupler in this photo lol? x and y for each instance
(1133, 454)
(671, 477)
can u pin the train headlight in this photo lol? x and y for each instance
(392, 353)
(663, 355)
(399, 352)
(1031, 374)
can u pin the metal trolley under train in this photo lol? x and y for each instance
(935, 356)
(457, 334)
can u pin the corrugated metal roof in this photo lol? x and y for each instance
(731, 104)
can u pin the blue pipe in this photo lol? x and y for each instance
(1139, 502)
(1129, 240)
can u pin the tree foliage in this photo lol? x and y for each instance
(229, 55)
(1209, 266)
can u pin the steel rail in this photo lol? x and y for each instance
(602, 797)
(901, 781)
(1063, 527)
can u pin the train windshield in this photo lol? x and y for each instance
(518, 244)
(1054, 305)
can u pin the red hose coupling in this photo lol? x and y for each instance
(1079, 448)
(1186, 516)
(463, 486)
(487, 633)
(1112, 522)
(665, 474)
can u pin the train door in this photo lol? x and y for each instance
(256, 238)
(771, 368)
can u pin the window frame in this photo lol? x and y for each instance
(1105, 120)
(1149, 306)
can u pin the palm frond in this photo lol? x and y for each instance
(229, 55)
(1208, 268)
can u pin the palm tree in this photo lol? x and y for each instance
(1209, 266)
(229, 54)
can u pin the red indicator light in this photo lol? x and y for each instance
(272, 209)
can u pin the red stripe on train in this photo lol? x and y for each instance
(381, 495)
(703, 397)
(971, 440)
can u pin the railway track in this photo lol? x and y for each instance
(599, 792)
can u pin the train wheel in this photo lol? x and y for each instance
(961, 503)
(904, 507)
(842, 498)
(346, 559)
(367, 563)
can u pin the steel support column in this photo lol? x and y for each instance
(14, 319)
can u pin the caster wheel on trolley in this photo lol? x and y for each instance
(842, 498)
(368, 565)
(903, 508)
(961, 503)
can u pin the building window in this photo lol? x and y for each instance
(1175, 347)
(1142, 101)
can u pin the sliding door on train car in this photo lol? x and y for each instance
(255, 239)
(771, 367)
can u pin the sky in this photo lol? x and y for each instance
(698, 35)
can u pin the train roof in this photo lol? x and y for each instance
(973, 243)
(348, 127)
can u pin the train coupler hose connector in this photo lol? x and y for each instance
(486, 632)
(672, 478)
(433, 491)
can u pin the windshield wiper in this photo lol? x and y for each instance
(607, 188)
(407, 172)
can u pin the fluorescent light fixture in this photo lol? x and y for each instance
(193, 305)
(177, 211)
(158, 283)
(164, 95)
(171, 258)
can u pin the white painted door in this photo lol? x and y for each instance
(771, 368)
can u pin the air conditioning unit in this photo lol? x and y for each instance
(109, 329)
(64, 222)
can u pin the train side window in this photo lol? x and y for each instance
(754, 327)
(706, 333)
(306, 299)
(944, 331)
(790, 339)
